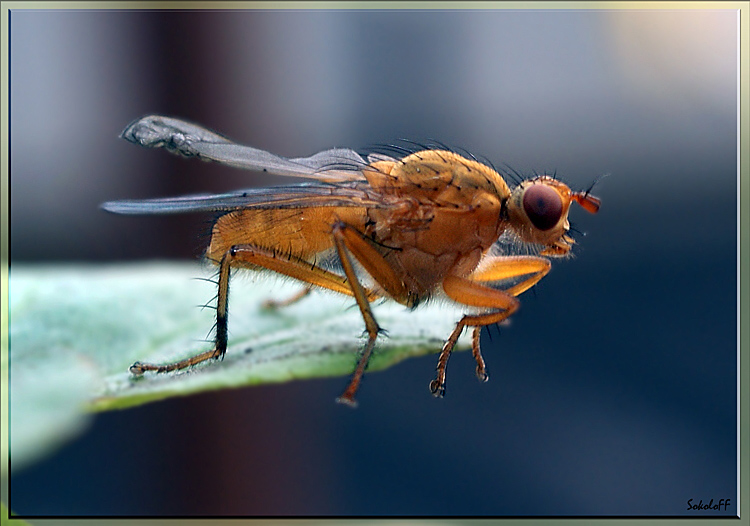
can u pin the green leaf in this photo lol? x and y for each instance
(75, 330)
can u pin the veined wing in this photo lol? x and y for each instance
(191, 140)
(305, 195)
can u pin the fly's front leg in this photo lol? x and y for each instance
(437, 386)
(502, 303)
(508, 267)
(477, 353)
(220, 344)
(476, 295)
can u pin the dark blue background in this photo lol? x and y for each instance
(613, 391)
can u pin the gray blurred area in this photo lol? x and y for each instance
(613, 391)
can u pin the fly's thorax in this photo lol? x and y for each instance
(434, 241)
(436, 175)
(538, 213)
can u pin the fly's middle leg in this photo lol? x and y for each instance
(371, 325)
(348, 240)
(277, 304)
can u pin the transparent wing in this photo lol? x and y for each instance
(289, 196)
(191, 140)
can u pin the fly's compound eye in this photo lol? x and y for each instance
(543, 206)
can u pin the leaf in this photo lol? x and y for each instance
(75, 330)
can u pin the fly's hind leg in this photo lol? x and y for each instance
(220, 342)
(501, 304)
(253, 256)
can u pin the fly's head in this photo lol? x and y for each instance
(538, 213)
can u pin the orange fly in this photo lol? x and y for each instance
(407, 226)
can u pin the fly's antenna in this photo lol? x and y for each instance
(591, 186)
(588, 201)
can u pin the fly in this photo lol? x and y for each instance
(405, 227)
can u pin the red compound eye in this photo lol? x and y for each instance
(543, 206)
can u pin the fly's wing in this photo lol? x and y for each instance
(304, 195)
(191, 140)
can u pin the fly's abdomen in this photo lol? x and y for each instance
(299, 232)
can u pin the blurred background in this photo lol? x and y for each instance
(613, 392)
